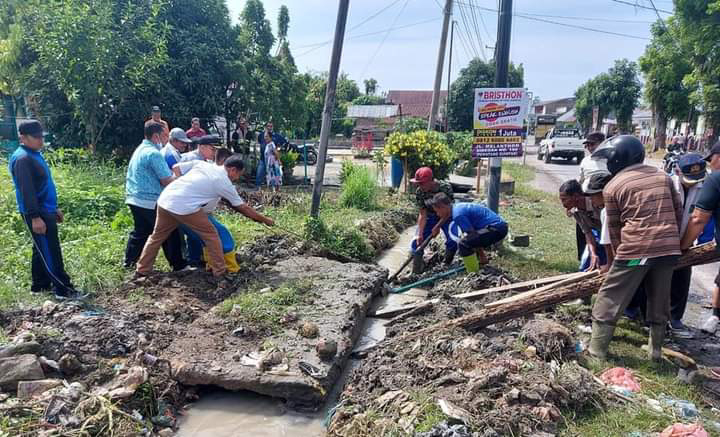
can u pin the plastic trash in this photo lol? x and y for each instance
(620, 377)
(684, 409)
(683, 430)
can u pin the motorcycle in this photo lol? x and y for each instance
(301, 150)
(671, 158)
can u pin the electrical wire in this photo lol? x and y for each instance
(468, 34)
(564, 17)
(636, 5)
(476, 26)
(468, 53)
(382, 42)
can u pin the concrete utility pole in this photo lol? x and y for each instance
(439, 68)
(447, 100)
(502, 60)
(329, 104)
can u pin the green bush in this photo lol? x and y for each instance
(461, 144)
(422, 149)
(359, 190)
(346, 169)
(338, 239)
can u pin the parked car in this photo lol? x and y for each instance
(561, 143)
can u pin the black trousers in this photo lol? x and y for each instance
(483, 238)
(47, 267)
(144, 220)
(679, 292)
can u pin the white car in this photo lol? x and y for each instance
(561, 143)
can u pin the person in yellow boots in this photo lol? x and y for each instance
(481, 228)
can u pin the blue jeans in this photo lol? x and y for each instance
(599, 249)
(195, 243)
(432, 220)
(260, 174)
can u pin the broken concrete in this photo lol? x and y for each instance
(30, 347)
(31, 389)
(19, 368)
(203, 355)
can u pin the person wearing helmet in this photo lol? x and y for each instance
(427, 187)
(707, 207)
(644, 213)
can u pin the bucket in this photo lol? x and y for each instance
(396, 171)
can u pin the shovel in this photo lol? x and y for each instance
(407, 261)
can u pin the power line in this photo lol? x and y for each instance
(643, 7)
(462, 42)
(468, 33)
(473, 14)
(662, 22)
(382, 42)
(565, 17)
(482, 20)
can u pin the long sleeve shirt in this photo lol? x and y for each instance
(644, 212)
(34, 186)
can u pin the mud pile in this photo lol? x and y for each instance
(383, 230)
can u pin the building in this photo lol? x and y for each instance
(372, 123)
(417, 103)
(554, 107)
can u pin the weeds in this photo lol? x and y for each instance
(338, 240)
(359, 190)
(347, 168)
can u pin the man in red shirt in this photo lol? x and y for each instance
(155, 116)
(195, 130)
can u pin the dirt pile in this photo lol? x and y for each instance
(383, 230)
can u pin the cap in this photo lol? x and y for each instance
(207, 139)
(715, 149)
(595, 138)
(596, 182)
(178, 134)
(155, 109)
(30, 127)
(692, 168)
(422, 175)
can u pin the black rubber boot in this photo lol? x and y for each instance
(418, 265)
(449, 257)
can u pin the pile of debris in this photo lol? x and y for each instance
(383, 230)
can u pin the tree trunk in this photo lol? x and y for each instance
(703, 254)
(660, 130)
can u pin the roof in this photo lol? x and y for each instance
(547, 102)
(372, 111)
(568, 117)
(642, 113)
(415, 103)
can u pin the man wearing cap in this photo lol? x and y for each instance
(592, 164)
(37, 204)
(178, 143)
(480, 226)
(707, 207)
(183, 203)
(155, 116)
(195, 130)
(205, 149)
(427, 187)
(147, 175)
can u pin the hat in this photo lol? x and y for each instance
(422, 175)
(595, 138)
(715, 149)
(692, 168)
(178, 134)
(155, 109)
(596, 182)
(207, 139)
(31, 127)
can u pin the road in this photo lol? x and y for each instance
(548, 178)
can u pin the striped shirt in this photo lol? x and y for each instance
(644, 212)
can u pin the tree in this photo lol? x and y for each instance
(370, 86)
(664, 73)
(477, 74)
(698, 25)
(368, 100)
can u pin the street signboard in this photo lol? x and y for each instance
(498, 117)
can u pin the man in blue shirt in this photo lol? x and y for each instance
(37, 203)
(481, 228)
(278, 139)
(147, 175)
(177, 144)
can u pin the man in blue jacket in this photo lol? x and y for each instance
(37, 203)
(481, 228)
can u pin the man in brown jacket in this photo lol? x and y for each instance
(644, 213)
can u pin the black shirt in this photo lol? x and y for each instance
(709, 199)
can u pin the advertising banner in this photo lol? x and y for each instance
(498, 117)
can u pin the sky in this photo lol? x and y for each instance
(396, 41)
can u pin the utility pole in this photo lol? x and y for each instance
(502, 59)
(329, 104)
(447, 100)
(439, 69)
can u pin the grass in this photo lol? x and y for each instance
(430, 413)
(540, 215)
(265, 309)
(359, 190)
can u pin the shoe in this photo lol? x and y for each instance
(632, 313)
(677, 325)
(40, 288)
(600, 339)
(449, 257)
(710, 324)
(231, 262)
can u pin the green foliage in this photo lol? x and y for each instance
(422, 149)
(370, 86)
(347, 91)
(411, 124)
(347, 167)
(265, 310)
(366, 99)
(338, 239)
(461, 144)
(359, 190)
(287, 161)
(477, 74)
(617, 90)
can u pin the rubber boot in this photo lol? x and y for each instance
(471, 263)
(418, 264)
(231, 262)
(449, 256)
(600, 339)
(657, 336)
(205, 257)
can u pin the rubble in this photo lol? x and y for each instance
(31, 389)
(19, 368)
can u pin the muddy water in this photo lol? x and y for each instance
(229, 414)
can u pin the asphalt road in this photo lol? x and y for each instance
(548, 177)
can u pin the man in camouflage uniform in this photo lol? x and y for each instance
(427, 187)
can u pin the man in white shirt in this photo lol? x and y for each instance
(205, 149)
(182, 203)
(592, 164)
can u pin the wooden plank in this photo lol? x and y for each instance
(578, 276)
